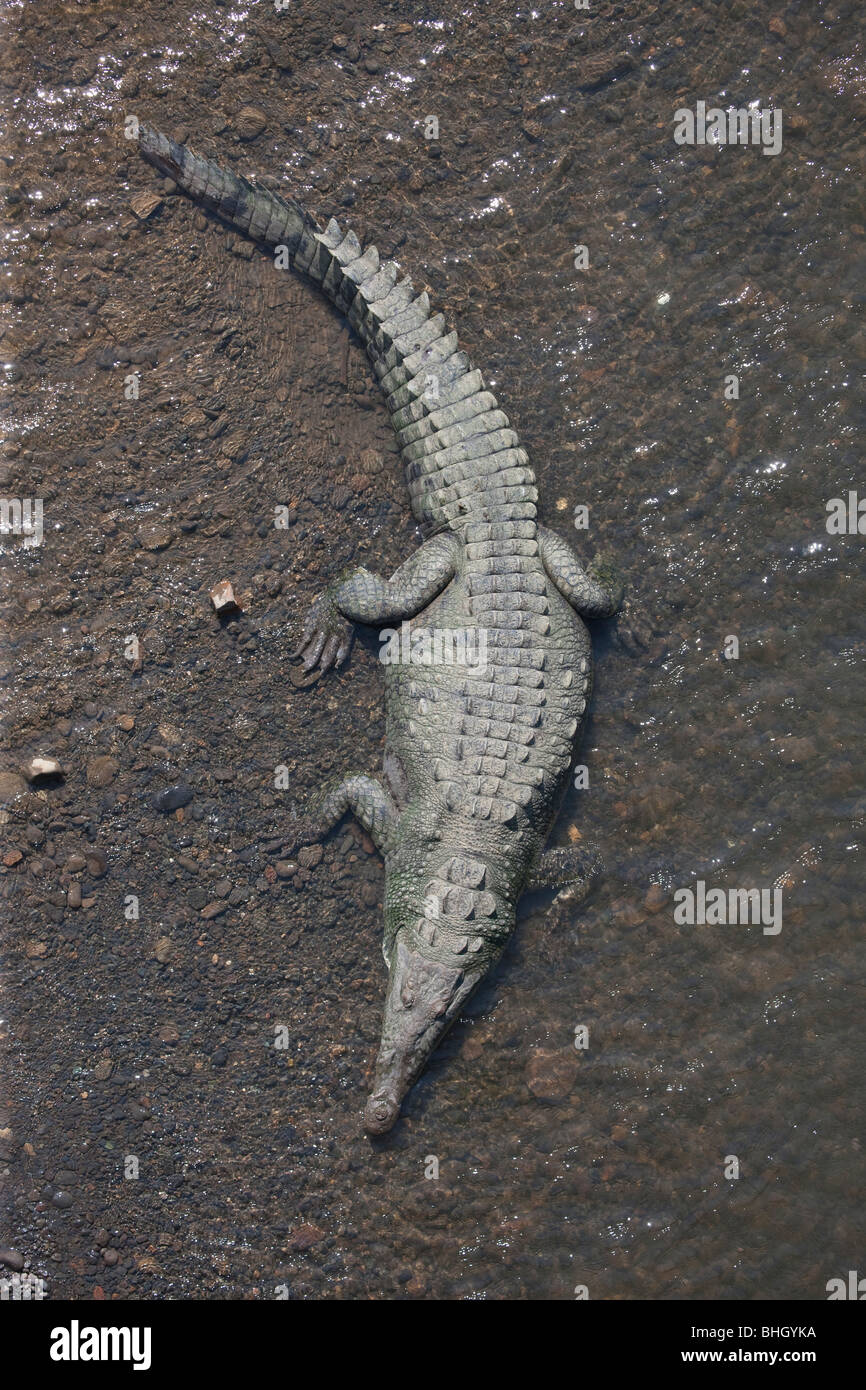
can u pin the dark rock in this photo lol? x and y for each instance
(172, 798)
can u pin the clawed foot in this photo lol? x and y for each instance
(327, 636)
(299, 832)
(604, 571)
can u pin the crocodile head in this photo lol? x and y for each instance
(438, 948)
(424, 998)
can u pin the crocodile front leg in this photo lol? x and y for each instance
(596, 592)
(362, 597)
(366, 798)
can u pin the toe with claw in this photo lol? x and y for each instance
(327, 636)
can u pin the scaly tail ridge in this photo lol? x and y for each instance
(463, 462)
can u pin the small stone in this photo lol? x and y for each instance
(164, 950)
(102, 1071)
(42, 767)
(75, 863)
(655, 898)
(250, 122)
(285, 868)
(340, 41)
(73, 897)
(222, 596)
(12, 1259)
(96, 862)
(172, 798)
(101, 1238)
(110, 1255)
(778, 26)
(303, 1237)
(310, 856)
(12, 857)
(144, 205)
(35, 950)
(125, 722)
(62, 1201)
(550, 1075)
(214, 909)
(168, 1033)
(101, 771)
(155, 536)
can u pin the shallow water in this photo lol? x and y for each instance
(147, 1045)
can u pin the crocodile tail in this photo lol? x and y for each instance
(256, 212)
(462, 460)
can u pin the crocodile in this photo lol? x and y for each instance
(478, 753)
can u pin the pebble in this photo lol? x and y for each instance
(42, 767)
(222, 596)
(172, 798)
(12, 1259)
(656, 898)
(144, 205)
(102, 771)
(250, 122)
(550, 1075)
(96, 862)
(155, 536)
(306, 1236)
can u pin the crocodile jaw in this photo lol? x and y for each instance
(424, 998)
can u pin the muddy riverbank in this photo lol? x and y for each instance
(167, 390)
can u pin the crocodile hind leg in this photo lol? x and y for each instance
(366, 798)
(596, 592)
(573, 867)
(571, 871)
(362, 597)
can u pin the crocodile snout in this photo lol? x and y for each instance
(381, 1114)
(424, 998)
